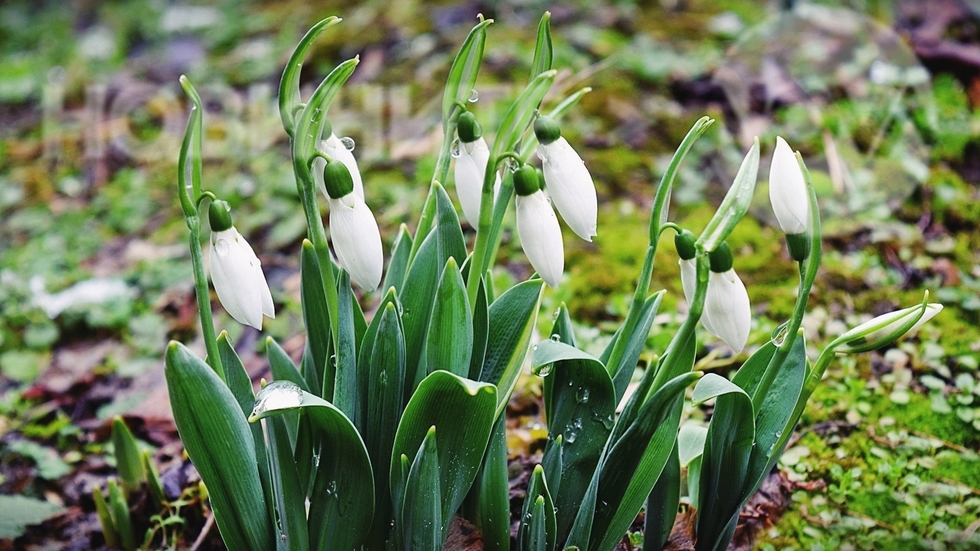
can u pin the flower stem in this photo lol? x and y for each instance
(203, 296)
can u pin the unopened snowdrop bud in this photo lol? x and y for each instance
(537, 227)
(353, 230)
(567, 179)
(334, 148)
(471, 166)
(789, 197)
(236, 272)
(727, 313)
(887, 328)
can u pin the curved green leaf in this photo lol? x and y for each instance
(518, 117)
(463, 413)
(289, 98)
(512, 317)
(422, 517)
(466, 66)
(449, 341)
(219, 443)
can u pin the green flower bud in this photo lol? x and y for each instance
(219, 214)
(468, 127)
(337, 179)
(721, 258)
(684, 243)
(526, 180)
(546, 129)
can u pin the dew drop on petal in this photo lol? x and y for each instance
(347, 142)
(512, 164)
(474, 96)
(454, 148)
(222, 247)
(277, 395)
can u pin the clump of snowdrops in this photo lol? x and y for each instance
(389, 427)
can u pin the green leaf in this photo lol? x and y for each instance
(289, 494)
(581, 532)
(488, 505)
(316, 318)
(463, 413)
(219, 442)
(128, 462)
(364, 368)
(120, 517)
(661, 507)
(635, 462)
(398, 265)
(690, 443)
(342, 501)
(281, 365)
(14, 530)
(622, 372)
(289, 97)
(543, 50)
(580, 406)
(481, 328)
(19, 512)
(511, 318)
(725, 462)
(422, 515)
(449, 340)
(313, 119)
(343, 390)
(537, 528)
(384, 407)
(466, 66)
(153, 481)
(735, 204)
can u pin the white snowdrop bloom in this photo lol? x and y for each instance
(236, 272)
(334, 147)
(537, 227)
(472, 157)
(353, 229)
(727, 313)
(567, 180)
(787, 191)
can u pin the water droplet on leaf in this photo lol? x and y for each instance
(277, 395)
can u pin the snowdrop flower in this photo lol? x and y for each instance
(883, 329)
(334, 148)
(789, 197)
(236, 272)
(471, 165)
(353, 229)
(537, 227)
(567, 179)
(727, 313)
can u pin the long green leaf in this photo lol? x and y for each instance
(342, 390)
(289, 98)
(364, 368)
(128, 462)
(316, 318)
(219, 443)
(466, 66)
(449, 340)
(422, 515)
(488, 505)
(481, 328)
(634, 344)
(537, 532)
(288, 491)
(281, 365)
(661, 508)
(543, 50)
(398, 265)
(463, 413)
(518, 117)
(342, 501)
(725, 463)
(512, 317)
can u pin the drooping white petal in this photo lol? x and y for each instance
(238, 279)
(570, 186)
(333, 147)
(689, 278)
(787, 190)
(726, 307)
(469, 171)
(356, 240)
(540, 234)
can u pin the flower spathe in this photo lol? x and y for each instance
(238, 279)
(570, 186)
(334, 148)
(537, 227)
(879, 331)
(356, 240)
(787, 191)
(471, 165)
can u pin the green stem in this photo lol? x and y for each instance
(479, 262)
(686, 330)
(203, 296)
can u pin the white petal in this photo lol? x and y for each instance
(540, 234)
(469, 171)
(787, 190)
(884, 324)
(570, 186)
(727, 308)
(357, 240)
(689, 278)
(238, 279)
(333, 147)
